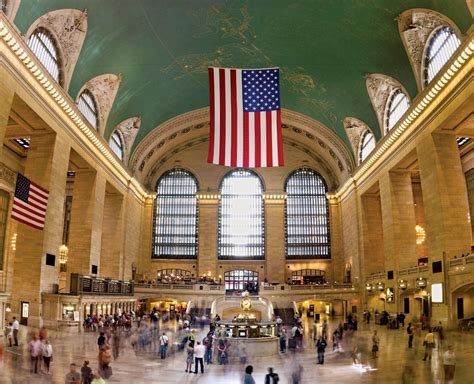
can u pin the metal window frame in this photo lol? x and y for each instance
(89, 111)
(257, 248)
(323, 211)
(37, 43)
(363, 145)
(395, 109)
(233, 280)
(155, 246)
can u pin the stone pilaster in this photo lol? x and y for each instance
(46, 165)
(335, 221)
(87, 211)
(372, 231)
(207, 230)
(6, 100)
(398, 219)
(111, 256)
(275, 240)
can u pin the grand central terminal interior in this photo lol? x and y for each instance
(153, 229)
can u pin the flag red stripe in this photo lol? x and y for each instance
(38, 203)
(279, 139)
(37, 208)
(18, 213)
(210, 154)
(45, 192)
(20, 207)
(28, 223)
(222, 115)
(245, 158)
(270, 140)
(258, 152)
(233, 109)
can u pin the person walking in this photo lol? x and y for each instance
(199, 351)
(375, 345)
(271, 377)
(411, 334)
(101, 340)
(86, 373)
(34, 347)
(73, 377)
(429, 344)
(47, 355)
(189, 358)
(282, 337)
(321, 346)
(449, 362)
(16, 330)
(163, 345)
(248, 379)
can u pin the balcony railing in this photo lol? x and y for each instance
(459, 262)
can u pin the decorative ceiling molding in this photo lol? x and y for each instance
(415, 27)
(69, 28)
(380, 87)
(12, 8)
(104, 88)
(128, 129)
(162, 140)
(355, 128)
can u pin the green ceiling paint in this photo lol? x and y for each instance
(163, 48)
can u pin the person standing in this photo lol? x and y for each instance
(271, 377)
(429, 344)
(199, 351)
(86, 373)
(207, 342)
(34, 347)
(163, 345)
(321, 346)
(189, 358)
(411, 334)
(101, 340)
(73, 377)
(449, 362)
(324, 330)
(248, 379)
(368, 317)
(47, 355)
(16, 329)
(375, 345)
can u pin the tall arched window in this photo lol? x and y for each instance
(241, 223)
(175, 222)
(441, 46)
(116, 145)
(398, 104)
(307, 216)
(367, 145)
(44, 47)
(87, 105)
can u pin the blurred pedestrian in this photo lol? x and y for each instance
(449, 362)
(248, 379)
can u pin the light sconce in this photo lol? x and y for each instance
(380, 286)
(63, 254)
(420, 234)
(402, 284)
(421, 282)
(369, 287)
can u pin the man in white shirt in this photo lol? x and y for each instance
(163, 345)
(16, 329)
(199, 351)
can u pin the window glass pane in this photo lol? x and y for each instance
(307, 216)
(241, 225)
(398, 104)
(88, 108)
(239, 280)
(367, 145)
(441, 47)
(115, 143)
(42, 44)
(4, 201)
(175, 223)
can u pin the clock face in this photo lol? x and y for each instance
(246, 303)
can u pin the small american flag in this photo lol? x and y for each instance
(245, 118)
(29, 203)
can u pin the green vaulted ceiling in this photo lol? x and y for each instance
(162, 48)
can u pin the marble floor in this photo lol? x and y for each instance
(395, 364)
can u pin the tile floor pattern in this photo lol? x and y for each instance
(395, 364)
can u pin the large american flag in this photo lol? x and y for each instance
(29, 203)
(245, 118)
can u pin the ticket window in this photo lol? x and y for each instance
(68, 312)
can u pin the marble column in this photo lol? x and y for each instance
(207, 230)
(275, 240)
(46, 165)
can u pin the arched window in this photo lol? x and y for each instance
(441, 47)
(175, 221)
(88, 107)
(116, 145)
(398, 104)
(308, 276)
(241, 224)
(307, 216)
(367, 145)
(241, 280)
(44, 47)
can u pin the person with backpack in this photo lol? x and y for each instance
(163, 345)
(271, 377)
(321, 346)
